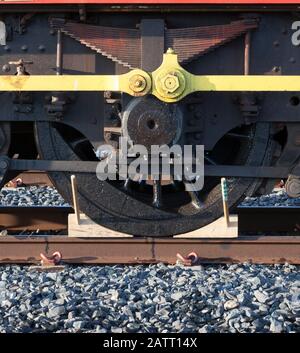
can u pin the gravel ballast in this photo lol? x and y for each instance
(275, 199)
(48, 196)
(31, 196)
(155, 298)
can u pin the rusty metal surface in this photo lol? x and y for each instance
(31, 178)
(265, 250)
(33, 218)
(190, 43)
(123, 45)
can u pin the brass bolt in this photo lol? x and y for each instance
(137, 83)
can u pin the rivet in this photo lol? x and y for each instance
(292, 60)
(191, 122)
(276, 43)
(6, 68)
(3, 164)
(7, 48)
(197, 136)
(24, 48)
(41, 48)
(52, 32)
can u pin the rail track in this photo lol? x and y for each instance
(268, 249)
(265, 250)
(31, 178)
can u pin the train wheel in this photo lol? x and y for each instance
(4, 144)
(128, 206)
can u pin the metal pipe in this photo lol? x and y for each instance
(247, 53)
(59, 53)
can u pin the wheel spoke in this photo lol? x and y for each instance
(77, 142)
(210, 160)
(194, 195)
(127, 184)
(237, 136)
(156, 193)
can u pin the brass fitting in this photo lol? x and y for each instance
(137, 83)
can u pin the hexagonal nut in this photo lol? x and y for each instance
(170, 83)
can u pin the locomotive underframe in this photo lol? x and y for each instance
(31, 38)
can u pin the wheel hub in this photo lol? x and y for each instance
(147, 121)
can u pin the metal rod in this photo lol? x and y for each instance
(247, 53)
(59, 53)
(225, 200)
(75, 198)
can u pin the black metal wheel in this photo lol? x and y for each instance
(5, 133)
(148, 209)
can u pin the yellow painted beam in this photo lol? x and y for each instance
(74, 83)
(59, 83)
(169, 83)
(116, 83)
(263, 83)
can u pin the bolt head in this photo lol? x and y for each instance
(3, 164)
(170, 83)
(137, 83)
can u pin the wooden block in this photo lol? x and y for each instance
(217, 229)
(89, 229)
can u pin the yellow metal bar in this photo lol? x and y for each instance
(116, 83)
(249, 83)
(59, 83)
(63, 83)
(170, 82)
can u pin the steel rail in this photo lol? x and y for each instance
(33, 178)
(257, 249)
(263, 250)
